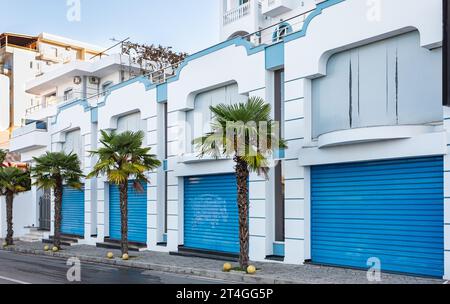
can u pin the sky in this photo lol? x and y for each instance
(188, 26)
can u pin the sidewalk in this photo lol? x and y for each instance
(268, 273)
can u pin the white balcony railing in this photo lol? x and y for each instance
(237, 13)
(47, 102)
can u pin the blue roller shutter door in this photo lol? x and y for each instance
(72, 212)
(211, 220)
(392, 210)
(137, 213)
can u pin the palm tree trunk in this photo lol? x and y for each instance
(242, 175)
(124, 216)
(58, 214)
(9, 218)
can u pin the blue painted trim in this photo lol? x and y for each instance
(161, 93)
(279, 153)
(279, 249)
(238, 41)
(94, 115)
(320, 7)
(83, 102)
(274, 56)
(165, 165)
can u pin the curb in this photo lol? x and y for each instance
(220, 275)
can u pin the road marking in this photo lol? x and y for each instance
(14, 281)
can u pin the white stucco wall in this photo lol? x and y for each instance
(22, 214)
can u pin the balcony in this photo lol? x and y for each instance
(241, 20)
(273, 8)
(31, 136)
(237, 13)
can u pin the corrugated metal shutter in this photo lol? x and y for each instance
(211, 219)
(137, 213)
(392, 210)
(72, 211)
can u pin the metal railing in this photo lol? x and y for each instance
(47, 102)
(277, 32)
(237, 13)
(40, 126)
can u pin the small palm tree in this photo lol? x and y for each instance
(51, 171)
(2, 156)
(122, 158)
(12, 182)
(245, 132)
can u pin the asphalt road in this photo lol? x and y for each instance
(28, 269)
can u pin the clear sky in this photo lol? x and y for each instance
(190, 25)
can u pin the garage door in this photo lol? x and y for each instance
(137, 214)
(390, 210)
(72, 212)
(211, 213)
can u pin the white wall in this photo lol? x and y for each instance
(22, 214)
(4, 102)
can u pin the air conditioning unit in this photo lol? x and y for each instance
(94, 80)
(77, 80)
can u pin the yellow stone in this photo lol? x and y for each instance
(227, 267)
(251, 269)
(46, 248)
(125, 257)
(110, 255)
(55, 249)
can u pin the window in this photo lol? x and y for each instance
(50, 99)
(68, 94)
(281, 31)
(106, 86)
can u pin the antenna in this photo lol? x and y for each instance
(114, 40)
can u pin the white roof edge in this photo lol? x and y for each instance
(82, 67)
(71, 42)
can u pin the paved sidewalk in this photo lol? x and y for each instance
(268, 273)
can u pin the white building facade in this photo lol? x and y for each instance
(357, 88)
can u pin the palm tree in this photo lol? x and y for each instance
(12, 182)
(2, 156)
(245, 132)
(122, 158)
(51, 171)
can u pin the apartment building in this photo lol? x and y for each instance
(24, 57)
